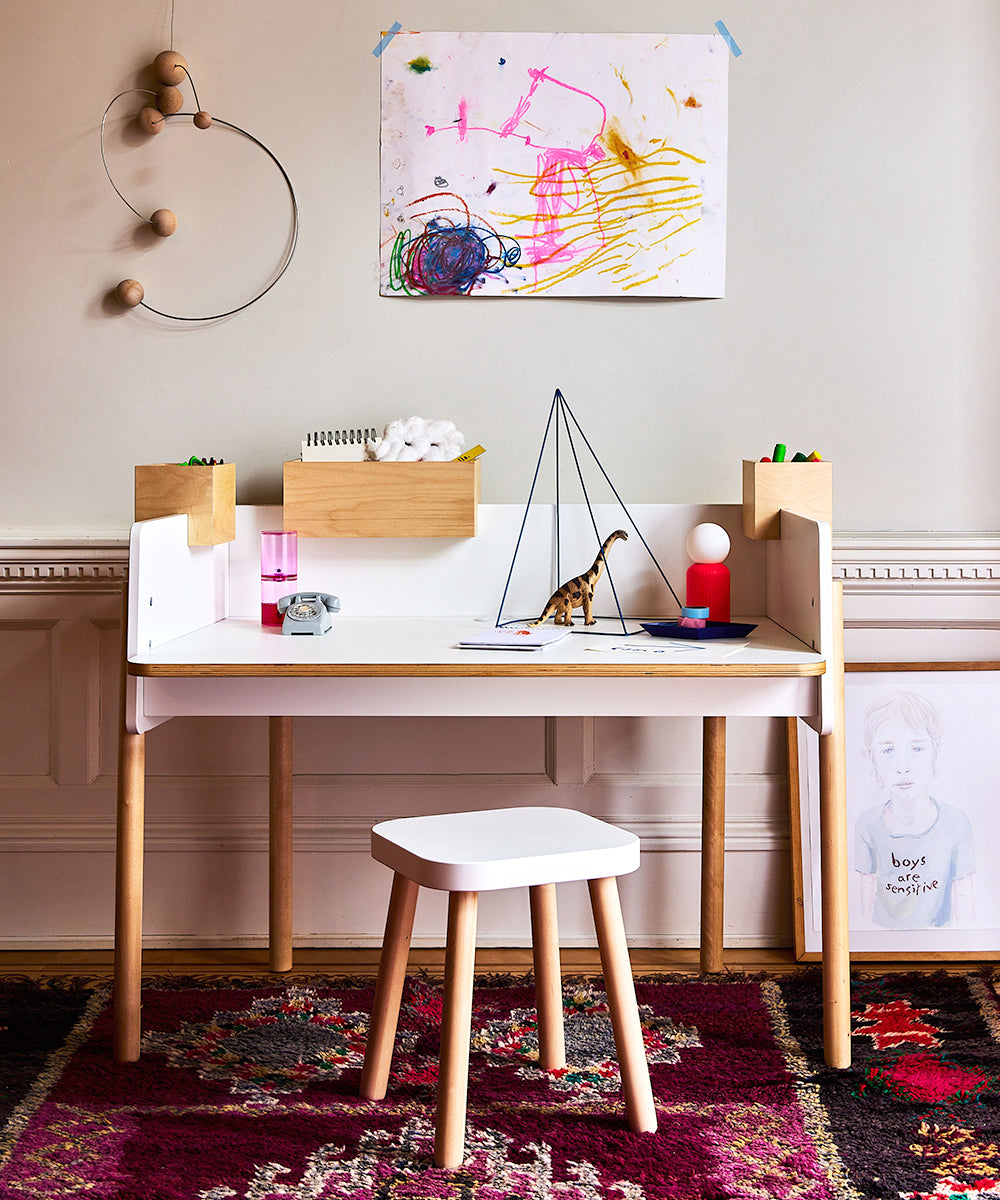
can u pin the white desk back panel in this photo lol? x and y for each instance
(468, 576)
(174, 588)
(800, 593)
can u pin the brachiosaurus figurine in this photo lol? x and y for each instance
(579, 592)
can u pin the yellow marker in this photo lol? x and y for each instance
(469, 455)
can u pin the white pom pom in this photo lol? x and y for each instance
(416, 439)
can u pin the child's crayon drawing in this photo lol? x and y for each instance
(553, 164)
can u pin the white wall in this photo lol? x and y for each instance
(860, 319)
(862, 258)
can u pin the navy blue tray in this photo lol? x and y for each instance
(711, 629)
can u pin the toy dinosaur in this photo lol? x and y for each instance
(579, 592)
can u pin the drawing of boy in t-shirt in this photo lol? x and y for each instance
(914, 854)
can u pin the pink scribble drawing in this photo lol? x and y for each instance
(561, 187)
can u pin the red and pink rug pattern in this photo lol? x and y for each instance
(249, 1090)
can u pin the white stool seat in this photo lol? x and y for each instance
(504, 848)
(471, 852)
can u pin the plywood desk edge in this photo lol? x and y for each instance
(474, 670)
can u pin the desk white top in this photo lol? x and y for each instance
(428, 646)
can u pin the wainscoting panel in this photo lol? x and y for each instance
(906, 599)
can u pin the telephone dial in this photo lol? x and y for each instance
(307, 612)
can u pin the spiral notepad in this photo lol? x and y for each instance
(338, 445)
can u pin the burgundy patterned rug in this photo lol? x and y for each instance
(250, 1091)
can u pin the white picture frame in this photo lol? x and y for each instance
(920, 883)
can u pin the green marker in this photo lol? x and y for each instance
(799, 457)
(779, 452)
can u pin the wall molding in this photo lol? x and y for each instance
(864, 561)
(859, 559)
(45, 564)
(677, 833)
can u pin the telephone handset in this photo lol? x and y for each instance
(307, 612)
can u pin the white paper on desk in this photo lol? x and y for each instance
(514, 639)
(671, 646)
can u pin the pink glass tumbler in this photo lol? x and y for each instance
(279, 571)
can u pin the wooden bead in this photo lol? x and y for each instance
(129, 293)
(203, 119)
(170, 67)
(169, 100)
(151, 120)
(164, 222)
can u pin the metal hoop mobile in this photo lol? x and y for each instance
(171, 70)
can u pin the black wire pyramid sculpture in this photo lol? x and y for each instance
(562, 423)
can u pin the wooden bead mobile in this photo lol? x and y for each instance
(171, 70)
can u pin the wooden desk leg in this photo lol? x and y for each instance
(128, 895)
(127, 1030)
(280, 842)
(833, 860)
(713, 841)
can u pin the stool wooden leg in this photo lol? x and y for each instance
(620, 988)
(548, 977)
(389, 988)
(456, 1030)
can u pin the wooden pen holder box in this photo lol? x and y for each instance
(206, 494)
(768, 487)
(376, 499)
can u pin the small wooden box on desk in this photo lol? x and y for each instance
(805, 488)
(373, 499)
(206, 493)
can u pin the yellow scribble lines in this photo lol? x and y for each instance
(625, 83)
(638, 283)
(600, 220)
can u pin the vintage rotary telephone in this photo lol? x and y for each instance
(307, 612)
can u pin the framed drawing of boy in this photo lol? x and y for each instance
(923, 814)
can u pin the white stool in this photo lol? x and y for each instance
(467, 853)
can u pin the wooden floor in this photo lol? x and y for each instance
(39, 964)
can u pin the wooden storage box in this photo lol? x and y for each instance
(768, 487)
(374, 499)
(206, 494)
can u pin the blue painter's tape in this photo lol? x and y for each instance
(387, 37)
(729, 39)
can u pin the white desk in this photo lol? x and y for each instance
(194, 646)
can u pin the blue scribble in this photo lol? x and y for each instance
(448, 259)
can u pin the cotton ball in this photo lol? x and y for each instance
(394, 442)
(707, 543)
(445, 441)
(416, 439)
